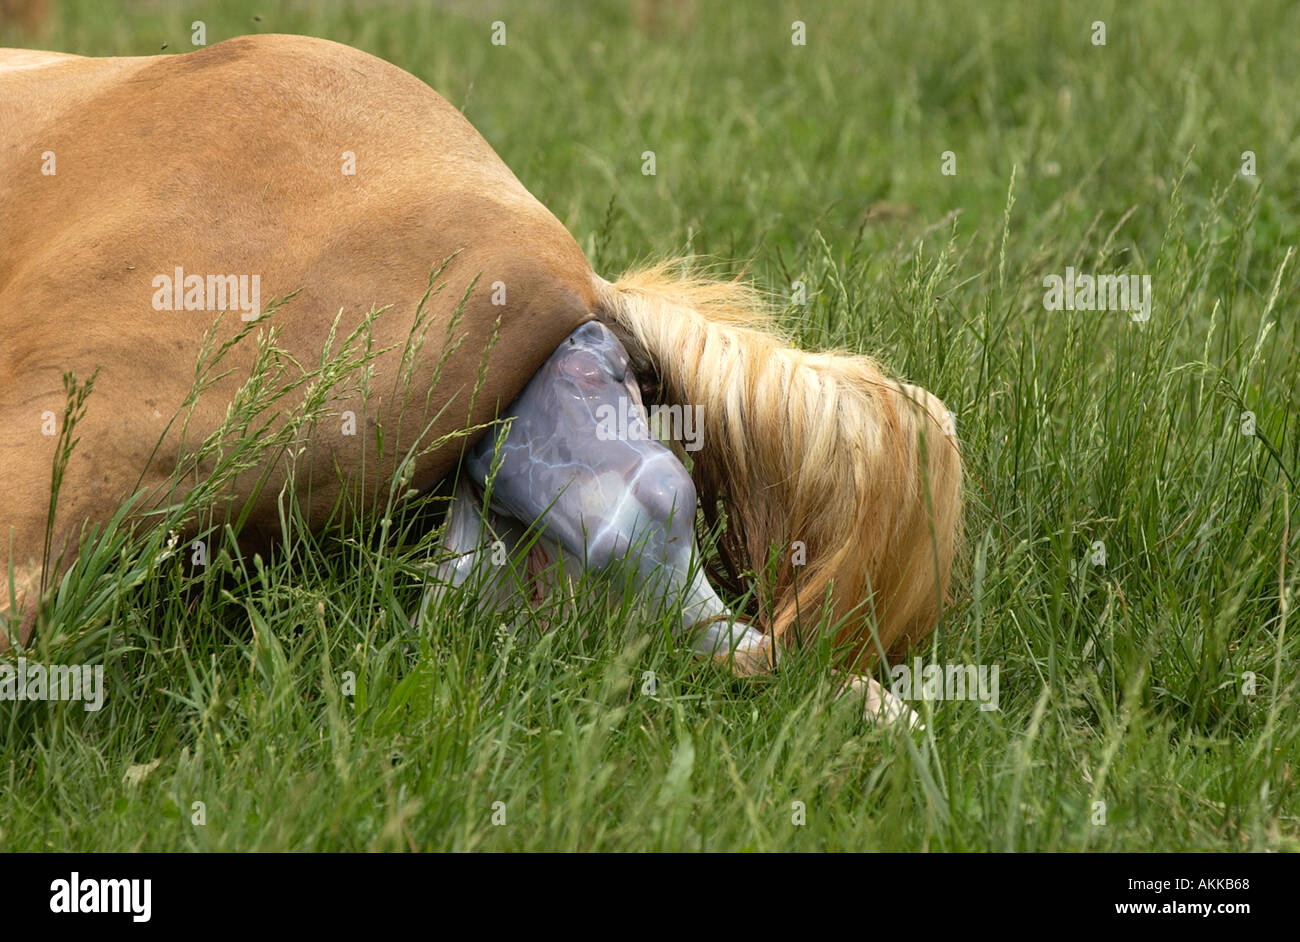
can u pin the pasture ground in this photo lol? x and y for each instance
(1148, 701)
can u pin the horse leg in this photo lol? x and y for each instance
(878, 704)
(477, 545)
(605, 494)
(467, 546)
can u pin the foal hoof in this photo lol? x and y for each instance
(737, 646)
(879, 705)
(751, 657)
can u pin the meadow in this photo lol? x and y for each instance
(903, 183)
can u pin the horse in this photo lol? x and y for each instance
(149, 204)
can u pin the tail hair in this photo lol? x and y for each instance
(854, 479)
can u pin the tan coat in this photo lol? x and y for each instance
(230, 160)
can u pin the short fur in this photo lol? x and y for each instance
(147, 180)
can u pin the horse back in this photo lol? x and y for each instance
(315, 167)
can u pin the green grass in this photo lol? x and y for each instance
(1121, 683)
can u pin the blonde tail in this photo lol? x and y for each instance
(850, 477)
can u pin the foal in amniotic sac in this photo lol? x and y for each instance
(341, 180)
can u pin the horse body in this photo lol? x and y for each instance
(121, 180)
(229, 160)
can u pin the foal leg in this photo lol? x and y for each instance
(467, 545)
(878, 703)
(604, 494)
(480, 546)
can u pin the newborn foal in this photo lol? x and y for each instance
(596, 501)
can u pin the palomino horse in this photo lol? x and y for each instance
(147, 205)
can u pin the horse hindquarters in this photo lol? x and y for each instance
(138, 194)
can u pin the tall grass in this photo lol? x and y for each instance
(1147, 702)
